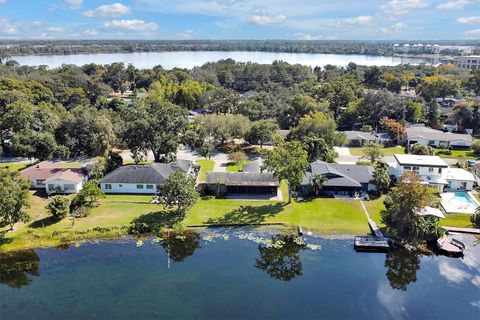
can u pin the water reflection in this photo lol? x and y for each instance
(402, 266)
(281, 259)
(180, 245)
(16, 268)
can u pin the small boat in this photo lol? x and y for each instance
(450, 246)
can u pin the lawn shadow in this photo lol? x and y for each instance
(45, 222)
(248, 215)
(155, 221)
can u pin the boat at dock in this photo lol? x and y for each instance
(450, 246)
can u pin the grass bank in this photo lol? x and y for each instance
(114, 214)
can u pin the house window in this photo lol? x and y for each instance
(464, 185)
(51, 187)
(149, 186)
(407, 168)
(120, 185)
(431, 142)
(430, 170)
(415, 169)
(139, 186)
(108, 186)
(440, 170)
(40, 182)
(69, 187)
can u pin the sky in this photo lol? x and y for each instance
(241, 19)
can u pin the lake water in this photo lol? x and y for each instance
(190, 59)
(207, 276)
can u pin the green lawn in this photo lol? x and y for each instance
(374, 207)
(205, 166)
(232, 167)
(458, 154)
(14, 166)
(115, 212)
(359, 151)
(457, 220)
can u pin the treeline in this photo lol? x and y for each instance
(76, 111)
(63, 47)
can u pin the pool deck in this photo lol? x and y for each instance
(452, 206)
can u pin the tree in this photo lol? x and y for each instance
(422, 150)
(238, 157)
(157, 126)
(288, 161)
(401, 206)
(475, 218)
(318, 181)
(179, 191)
(339, 92)
(476, 146)
(14, 197)
(86, 198)
(432, 114)
(372, 151)
(262, 131)
(381, 176)
(318, 133)
(380, 104)
(59, 207)
(281, 260)
(437, 87)
(394, 128)
(300, 106)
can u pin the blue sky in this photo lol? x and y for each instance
(240, 19)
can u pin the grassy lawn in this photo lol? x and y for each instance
(458, 154)
(374, 207)
(14, 166)
(115, 212)
(457, 220)
(386, 151)
(232, 167)
(205, 166)
(141, 162)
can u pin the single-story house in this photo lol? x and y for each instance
(47, 175)
(143, 178)
(360, 138)
(250, 181)
(459, 180)
(344, 179)
(428, 136)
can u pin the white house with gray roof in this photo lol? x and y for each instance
(143, 179)
(360, 138)
(431, 137)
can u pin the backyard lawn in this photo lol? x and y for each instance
(205, 166)
(14, 166)
(232, 167)
(458, 154)
(359, 151)
(115, 212)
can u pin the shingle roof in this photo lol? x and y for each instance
(253, 166)
(339, 175)
(242, 178)
(432, 134)
(73, 175)
(155, 173)
(45, 170)
(370, 136)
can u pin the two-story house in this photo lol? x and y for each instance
(434, 171)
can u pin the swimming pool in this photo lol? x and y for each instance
(458, 202)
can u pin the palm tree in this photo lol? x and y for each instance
(373, 152)
(381, 176)
(318, 181)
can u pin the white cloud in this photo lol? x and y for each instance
(397, 27)
(3, 1)
(186, 34)
(134, 25)
(467, 20)
(453, 5)
(73, 4)
(306, 36)
(108, 10)
(7, 27)
(357, 21)
(399, 7)
(266, 19)
(473, 33)
(451, 273)
(90, 32)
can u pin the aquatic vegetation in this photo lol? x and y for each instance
(139, 243)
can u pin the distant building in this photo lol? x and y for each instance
(431, 137)
(469, 62)
(360, 138)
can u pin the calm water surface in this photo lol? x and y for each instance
(190, 59)
(201, 276)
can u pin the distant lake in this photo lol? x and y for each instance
(237, 274)
(190, 59)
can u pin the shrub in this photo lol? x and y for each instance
(476, 146)
(475, 219)
(59, 207)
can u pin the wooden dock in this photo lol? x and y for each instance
(371, 243)
(375, 229)
(462, 230)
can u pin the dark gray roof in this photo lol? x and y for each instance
(369, 136)
(253, 166)
(155, 173)
(339, 175)
(242, 178)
